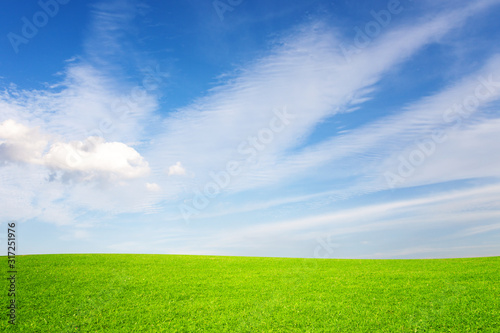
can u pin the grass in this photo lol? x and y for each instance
(166, 293)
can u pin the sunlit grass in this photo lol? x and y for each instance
(165, 293)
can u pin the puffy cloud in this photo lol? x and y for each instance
(177, 169)
(88, 159)
(94, 157)
(19, 143)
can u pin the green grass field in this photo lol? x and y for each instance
(166, 293)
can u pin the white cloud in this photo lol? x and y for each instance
(27, 192)
(92, 98)
(91, 158)
(19, 143)
(176, 170)
(94, 157)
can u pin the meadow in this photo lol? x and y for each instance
(172, 293)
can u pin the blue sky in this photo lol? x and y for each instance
(323, 129)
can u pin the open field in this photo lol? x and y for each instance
(167, 293)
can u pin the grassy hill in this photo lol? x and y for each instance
(167, 293)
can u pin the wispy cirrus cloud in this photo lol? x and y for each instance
(445, 115)
(453, 136)
(309, 75)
